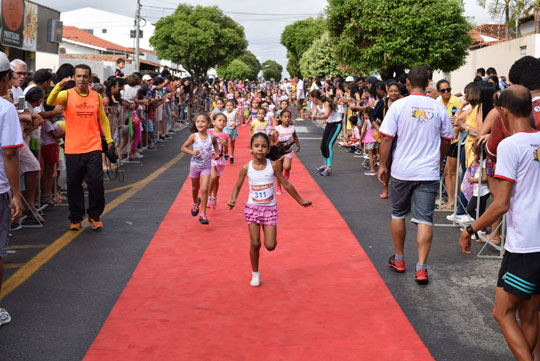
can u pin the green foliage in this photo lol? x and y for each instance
(512, 11)
(235, 69)
(319, 59)
(390, 36)
(298, 37)
(272, 70)
(198, 37)
(251, 61)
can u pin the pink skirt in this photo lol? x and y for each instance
(263, 215)
(368, 137)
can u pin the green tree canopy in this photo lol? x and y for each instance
(513, 10)
(391, 36)
(298, 37)
(235, 69)
(199, 38)
(272, 69)
(251, 61)
(319, 59)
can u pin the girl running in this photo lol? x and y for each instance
(218, 165)
(327, 107)
(220, 108)
(285, 135)
(259, 124)
(231, 129)
(201, 163)
(255, 104)
(261, 209)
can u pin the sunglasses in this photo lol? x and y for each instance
(442, 91)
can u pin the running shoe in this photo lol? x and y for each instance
(214, 204)
(210, 203)
(464, 219)
(358, 151)
(195, 208)
(326, 172)
(75, 226)
(4, 317)
(421, 277)
(138, 155)
(452, 217)
(231, 160)
(96, 224)
(167, 137)
(321, 168)
(371, 172)
(350, 150)
(255, 279)
(398, 266)
(226, 156)
(203, 219)
(278, 190)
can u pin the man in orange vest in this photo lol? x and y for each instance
(83, 146)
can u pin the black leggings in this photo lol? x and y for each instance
(471, 207)
(330, 135)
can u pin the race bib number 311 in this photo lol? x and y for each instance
(263, 193)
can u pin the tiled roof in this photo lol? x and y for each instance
(96, 57)
(75, 34)
(495, 31)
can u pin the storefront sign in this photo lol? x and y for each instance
(19, 24)
(30, 26)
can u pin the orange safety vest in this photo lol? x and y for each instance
(82, 127)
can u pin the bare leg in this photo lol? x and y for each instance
(537, 348)
(399, 231)
(255, 247)
(270, 237)
(31, 180)
(423, 239)
(371, 159)
(286, 166)
(195, 185)
(205, 179)
(47, 180)
(450, 180)
(528, 320)
(214, 183)
(232, 147)
(278, 184)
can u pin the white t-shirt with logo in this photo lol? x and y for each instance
(300, 90)
(10, 137)
(419, 122)
(518, 161)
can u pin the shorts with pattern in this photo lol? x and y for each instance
(263, 215)
(233, 133)
(519, 274)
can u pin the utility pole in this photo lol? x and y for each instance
(137, 34)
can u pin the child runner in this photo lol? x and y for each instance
(218, 165)
(255, 104)
(259, 124)
(220, 108)
(261, 209)
(201, 163)
(285, 134)
(230, 129)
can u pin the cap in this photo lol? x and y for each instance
(4, 62)
(349, 79)
(146, 77)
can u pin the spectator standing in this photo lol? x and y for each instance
(10, 142)
(300, 98)
(424, 132)
(83, 146)
(19, 67)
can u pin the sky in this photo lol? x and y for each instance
(263, 25)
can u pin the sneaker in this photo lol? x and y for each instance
(139, 156)
(278, 190)
(326, 172)
(96, 224)
(226, 156)
(195, 208)
(452, 217)
(214, 203)
(464, 219)
(231, 160)
(398, 266)
(75, 226)
(350, 150)
(5, 318)
(358, 151)
(255, 279)
(167, 137)
(421, 277)
(204, 219)
(370, 172)
(131, 158)
(321, 168)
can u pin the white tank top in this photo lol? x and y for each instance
(261, 185)
(231, 119)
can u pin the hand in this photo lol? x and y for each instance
(298, 150)
(16, 207)
(454, 121)
(305, 203)
(196, 153)
(382, 175)
(231, 204)
(216, 156)
(472, 180)
(64, 81)
(111, 153)
(465, 242)
(37, 119)
(481, 140)
(463, 127)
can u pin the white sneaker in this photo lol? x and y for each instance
(4, 317)
(139, 155)
(464, 219)
(452, 217)
(255, 279)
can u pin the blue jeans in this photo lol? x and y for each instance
(418, 195)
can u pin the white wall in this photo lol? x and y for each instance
(527, 28)
(77, 49)
(47, 61)
(501, 56)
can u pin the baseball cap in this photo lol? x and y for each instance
(146, 77)
(349, 79)
(4, 62)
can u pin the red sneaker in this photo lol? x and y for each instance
(421, 277)
(398, 266)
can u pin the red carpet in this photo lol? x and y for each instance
(320, 298)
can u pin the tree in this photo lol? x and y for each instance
(199, 38)
(298, 37)
(513, 10)
(251, 61)
(272, 70)
(235, 69)
(391, 36)
(319, 59)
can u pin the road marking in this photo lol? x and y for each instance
(27, 246)
(127, 186)
(13, 265)
(301, 129)
(29, 268)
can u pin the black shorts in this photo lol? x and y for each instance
(452, 152)
(520, 274)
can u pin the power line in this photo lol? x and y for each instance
(240, 12)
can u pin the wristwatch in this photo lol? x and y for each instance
(471, 231)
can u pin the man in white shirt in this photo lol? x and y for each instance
(300, 97)
(10, 195)
(19, 67)
(424, 131)
(518, 174)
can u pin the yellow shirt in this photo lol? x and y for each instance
(454, 102)
(469, 141)
(258, 126)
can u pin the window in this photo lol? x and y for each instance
(523, 50)
(104, 31)
(132, 34)
(90, 31)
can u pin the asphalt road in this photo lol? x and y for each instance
(58, 311)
